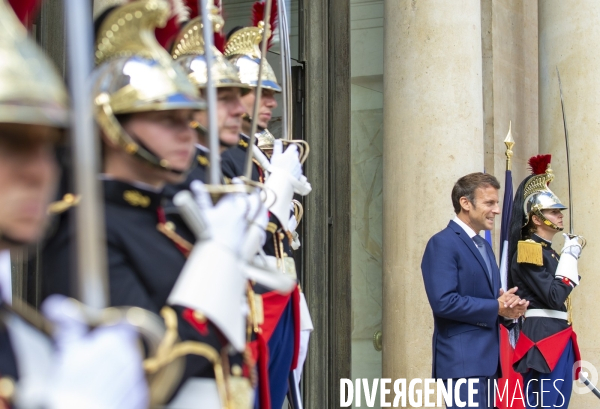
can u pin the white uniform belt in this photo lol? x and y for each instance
(285, 265)
(561, 315)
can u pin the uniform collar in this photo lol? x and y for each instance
(202, 156)
(244, 141)
(202, 148)
(129, 195)
(545, 243)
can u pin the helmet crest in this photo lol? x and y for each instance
(538, 164)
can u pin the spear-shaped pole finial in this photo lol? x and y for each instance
(509, 142)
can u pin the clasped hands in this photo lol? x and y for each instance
(510, 305)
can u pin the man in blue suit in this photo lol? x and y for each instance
(462, 282)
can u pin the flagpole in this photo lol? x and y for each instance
(509, 142)
(507, 352)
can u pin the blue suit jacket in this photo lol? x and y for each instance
(464, 303)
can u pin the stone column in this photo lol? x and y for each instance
(433, 134)
(510, 87)
(568, 36)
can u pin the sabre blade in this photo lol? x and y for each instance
(258, 92)
(286, 69)
(211, 95)
(294, 395)
(562, 104)
(92, 276)
(589, 384)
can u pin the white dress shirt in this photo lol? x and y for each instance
(470, 232)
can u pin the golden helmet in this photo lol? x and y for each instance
(243, 51)
(536, 193)
(188, 52)
(31, 91)
(136, 74)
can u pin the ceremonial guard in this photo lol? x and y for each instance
(547, 345)
(276, 340)
(188, 53)
(145, 105)
(42, 356)
(242, 49)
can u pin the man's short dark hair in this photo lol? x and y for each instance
(465, 187)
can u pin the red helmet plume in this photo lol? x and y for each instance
(179, 14)
(192, 6)
(258, 12)
(25, 9)
(220, 42)
(219, 38)
(538, 164)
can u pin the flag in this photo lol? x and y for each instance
(514, 379)
(507, 204)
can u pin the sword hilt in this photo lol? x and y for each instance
(582, 240)
(303, 148)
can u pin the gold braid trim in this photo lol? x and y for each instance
(7, 392)
(190, 40)
(528, 251)
(538, 183)
(193, 348)
(129, 30)
(169, 350)
(245, 41)
(69, 200)
(253, 320)
(569, 310)
(282, 254)
(164, 229)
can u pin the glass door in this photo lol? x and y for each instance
(366, 94)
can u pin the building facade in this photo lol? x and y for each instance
(398, 99)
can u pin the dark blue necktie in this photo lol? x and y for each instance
(480, 243)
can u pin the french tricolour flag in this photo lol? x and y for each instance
(514, 379)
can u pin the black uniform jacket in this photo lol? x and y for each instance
(198, 172)
(233, 161)
(538, 285)
(143, 263)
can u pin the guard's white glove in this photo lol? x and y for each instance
(285, 179)
(567, 266)
(571, 246)
(303, 186)
(279, 161)
(292, 225)
(226, 220)
(237, 221)
(214, 278)
(97, 369)
(288, 161)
